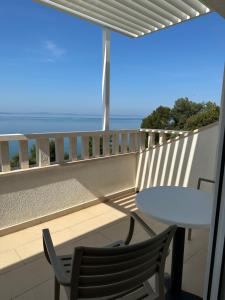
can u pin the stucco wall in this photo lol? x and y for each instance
(35, 193)
(180, 162)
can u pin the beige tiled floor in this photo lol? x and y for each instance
(26, 275)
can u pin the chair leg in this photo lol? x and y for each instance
(159, 285)
(189, 234)
(57, 289)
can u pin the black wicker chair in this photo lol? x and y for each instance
(118, 271)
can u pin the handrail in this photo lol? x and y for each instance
(29, 136)
(164, 131)
(82, 145)
(91, 144)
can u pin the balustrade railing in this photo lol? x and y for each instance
(50, 147)
(64, 147)
(161, 136)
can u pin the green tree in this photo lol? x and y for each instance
(184, 115)
(209, 114)
(182, 110)
(159, 118)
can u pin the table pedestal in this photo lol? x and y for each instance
(174, 284)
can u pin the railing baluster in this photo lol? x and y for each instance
(142, 137)
(43, 152)
(59, 150)
(96, 146)
(151, 139)
(115, 143)
(162, 138)
(73, 148)
(123, 143)
(105, 145)
(4, 157)
(85, 147)
(23, 154)
(133, 142)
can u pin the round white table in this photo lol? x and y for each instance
(184, 207)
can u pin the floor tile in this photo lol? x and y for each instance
(8, 260)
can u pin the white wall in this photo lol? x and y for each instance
(180, 162)
(28, 195)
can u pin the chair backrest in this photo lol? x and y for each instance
(102, 272)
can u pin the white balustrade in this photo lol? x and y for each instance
(43, 152)
(73, 148)
(106, 145)
(81, 145)
(151, 139)
(23, 154)
(162, 138)
(115, 143)
(4, 156)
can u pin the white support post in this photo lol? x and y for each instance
(73, 148)
(4, 157)
(106, 77)
(23, 155)
(151, 139)
(162, 138)
(43, 152)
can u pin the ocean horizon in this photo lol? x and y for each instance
(55, 122)
(59, 122)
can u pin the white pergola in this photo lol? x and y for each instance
(136, 18)
(132, 18)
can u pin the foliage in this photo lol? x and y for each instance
(208, 114)
(159, 118)
(184, 115)
(182, 110)
(14, 162)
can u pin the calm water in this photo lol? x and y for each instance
(32, 123)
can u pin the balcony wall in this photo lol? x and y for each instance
(33, 194)
(180, 161)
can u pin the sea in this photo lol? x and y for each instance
(45, 122)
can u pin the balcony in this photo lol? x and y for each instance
(84, 199)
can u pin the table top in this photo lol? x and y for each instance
(185, 207)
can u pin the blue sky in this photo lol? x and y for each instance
(51, 62)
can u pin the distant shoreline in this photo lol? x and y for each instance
(113, 116)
